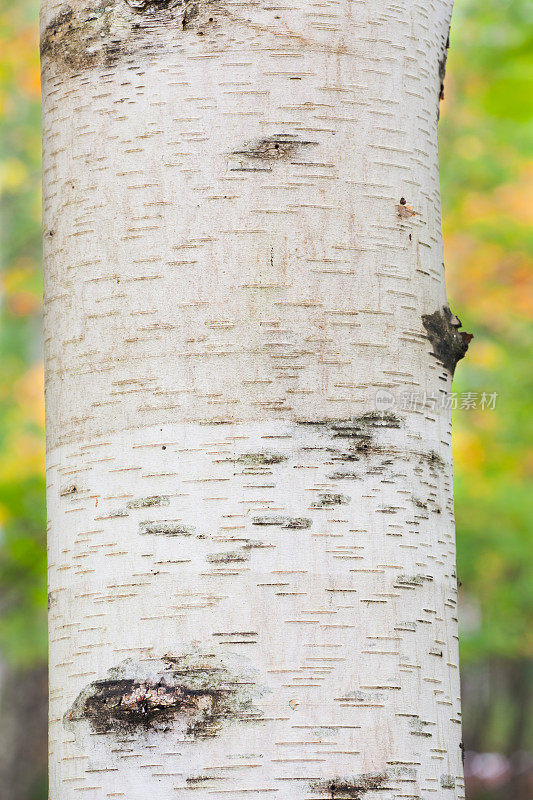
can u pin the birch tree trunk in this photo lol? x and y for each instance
(249, 356)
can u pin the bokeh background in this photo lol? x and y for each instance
(486, 140)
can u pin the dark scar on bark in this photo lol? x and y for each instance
(442, 72)
(448, 342)
(114, 30)
(442, 68)
(274, 148)
(200, 698)
(353, 788)
(116, 705)
(191, 12)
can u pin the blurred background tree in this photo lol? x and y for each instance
(486, 138)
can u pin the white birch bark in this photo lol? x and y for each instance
(252, 562)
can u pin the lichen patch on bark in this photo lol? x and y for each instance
(253, 461)
(448, 342)
(283, 522)
(360, 433)
(165, 528)
(229, 557)
(196, 692)
(327, 499)
(149, 502)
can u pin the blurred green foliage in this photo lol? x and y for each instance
(486, 139)
(22, 511)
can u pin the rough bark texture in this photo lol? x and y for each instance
(252, 563)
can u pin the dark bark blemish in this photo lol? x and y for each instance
(433, 459)
(113, 30)
(194, 780)
(78, 40)
(404, 209)
(447, 782)
(362, 426)
(419, 503)
(191, 12)
(442, 67)
(274, 148)
(448, 342)
(375, 419)
(197, 692)
(125, 705)
(409, 581)
(387, 510)
(151, 6)
(352, 788)
(69, 490)
(359, 432)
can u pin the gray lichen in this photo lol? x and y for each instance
(283, 522)
(328, 499)
(166, 529)
(149, 502)
(229, 557)
(447, 782)
(260, 459)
